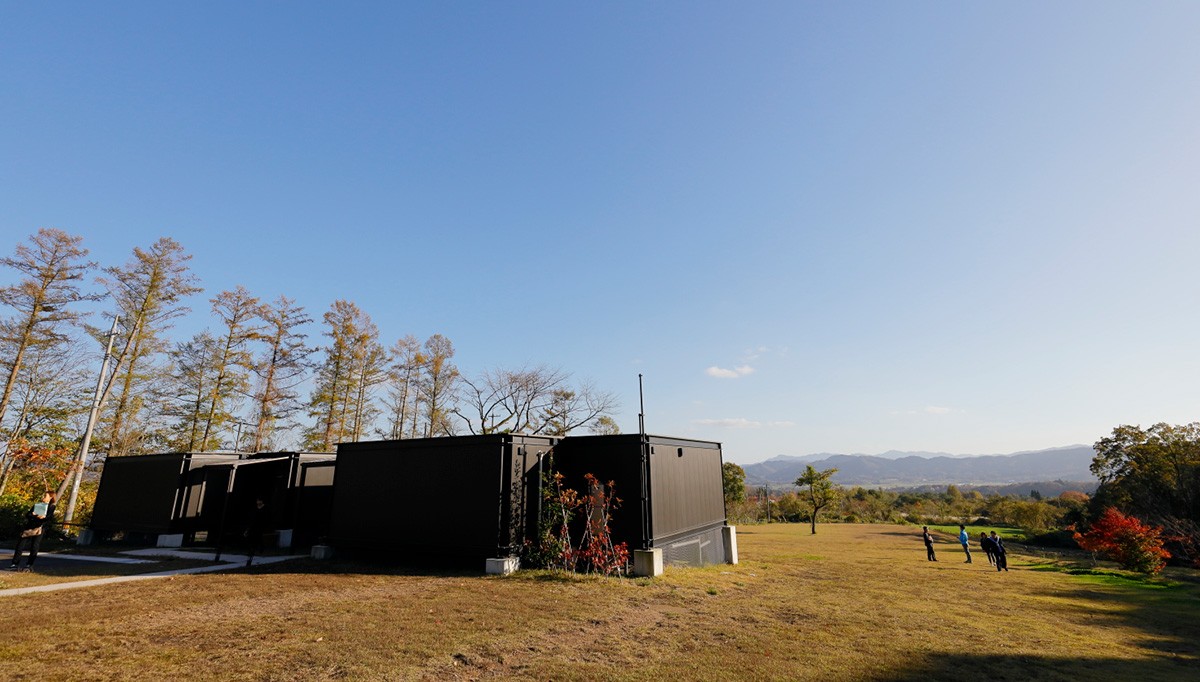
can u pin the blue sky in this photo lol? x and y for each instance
(846, 227)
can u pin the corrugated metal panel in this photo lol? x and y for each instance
(685, 488)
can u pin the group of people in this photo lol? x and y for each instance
(992, 545)
(37, 521)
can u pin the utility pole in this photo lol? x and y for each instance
(238, 438)
(81, 460)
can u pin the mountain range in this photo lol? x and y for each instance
(909, 469)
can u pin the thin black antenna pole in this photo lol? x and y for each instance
(642, 407)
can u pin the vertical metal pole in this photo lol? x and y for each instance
(645, 442)
(81, 461)
(641, 408)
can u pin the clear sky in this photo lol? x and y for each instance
(841, 227)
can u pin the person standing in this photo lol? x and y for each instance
(37, 521)
(989, 547)
(929, 553)
(260, 518)
(1001, 553)
(965, 541)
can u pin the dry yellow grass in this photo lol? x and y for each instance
(853, 602)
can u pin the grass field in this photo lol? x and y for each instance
(853, 602)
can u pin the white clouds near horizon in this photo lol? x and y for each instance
(743, 423)
(735, 373)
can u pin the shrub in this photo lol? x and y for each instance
(12, 515)
(1126, 540)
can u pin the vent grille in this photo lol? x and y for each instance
(701, 549)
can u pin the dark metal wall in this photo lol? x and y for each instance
(670, 490)
(434, 499)
(314, 501)
(137, 494)
(191, 493)
(686, 491)
(615, 459)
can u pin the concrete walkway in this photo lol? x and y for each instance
(228, 562)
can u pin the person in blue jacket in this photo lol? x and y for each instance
(965, 541)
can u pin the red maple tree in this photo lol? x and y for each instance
(1125, 539)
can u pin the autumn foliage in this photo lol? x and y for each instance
(595, 552)
(1126, 540)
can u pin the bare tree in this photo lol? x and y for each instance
(371, 370)
(435, 388)
(508, 400)
(49, 399)
(240, 313)
(538, 400)
(51, 266)
(194, 364)
(281, 369)
(570, 409)
(149, 292)
(400, 399)
(354, 363)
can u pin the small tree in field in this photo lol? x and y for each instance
(821, 491)
(1126, 540)
(733, 480)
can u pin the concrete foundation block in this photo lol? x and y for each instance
(285, 538)
(170, 540)
(86, 537)
(503, 565)
(648, 562)
(729, 536)
(322, 552)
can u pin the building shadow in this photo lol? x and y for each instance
(1016, 668)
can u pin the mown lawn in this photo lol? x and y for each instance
(853, 602)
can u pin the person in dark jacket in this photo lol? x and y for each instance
(929, 553)
(260, 519)
(37, 522)
(989, 548)
(1001, 553)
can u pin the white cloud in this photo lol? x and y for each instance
(754, 353)
(742, 423)
(931, 409)
(722, 373)
(737, 423)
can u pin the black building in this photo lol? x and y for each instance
(465, 499)
(207, 497)
(670, 490)
(458, 500)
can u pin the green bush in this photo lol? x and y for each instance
(12, 515)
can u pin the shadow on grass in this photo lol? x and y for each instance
(1036, 668)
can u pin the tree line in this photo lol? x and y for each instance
(1145, 511)
(1038, 515)
(253, 380)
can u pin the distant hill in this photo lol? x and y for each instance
(896, 469)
